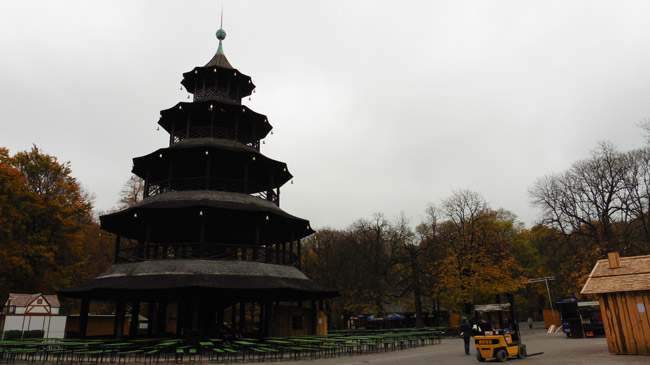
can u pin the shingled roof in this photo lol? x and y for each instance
(22, 300)
(165, 275)
(632, 274)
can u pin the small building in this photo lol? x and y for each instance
(623, 288)
(32, 312)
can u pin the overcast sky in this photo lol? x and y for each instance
(377, 106)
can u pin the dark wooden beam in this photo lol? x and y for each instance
(83, 317)
(242, 316)
(135, 315)
(120, 309)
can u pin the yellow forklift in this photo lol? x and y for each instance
(499, 343)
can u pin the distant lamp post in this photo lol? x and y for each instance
(550, 301)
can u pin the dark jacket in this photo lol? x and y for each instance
(465, 329)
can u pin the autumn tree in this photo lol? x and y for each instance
(478, 241)
(434, 254)
(44, 216)
(360, 262)
(375, 244)
(326, 260)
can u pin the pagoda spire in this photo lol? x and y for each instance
(219, 58)
(221, 34)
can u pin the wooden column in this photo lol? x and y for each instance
(284, 252)
(262, 320)
(83, 317)
(257, 241)
(161, 317)
(233, 316)
(117, 248)
(212, 123)
(242, 316)
(292, 255)
(179, 318)
(150, 318)
(220, 315)
(135, 316)
(314, 317)
(118, 328)
(201, 237)
(252, 309)
(237, 127)
(209, 313)
(147, 184)
(269, 191)
(268, 317)
(187, 125)
(299, 254)
(196, 310)
(170, 175)
(246, 177)
(147, 240)
(255, 137)
(207, 172)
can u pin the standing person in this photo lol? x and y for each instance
(530, 322)
(466, 332)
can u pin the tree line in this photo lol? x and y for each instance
(460, 255)
(465, 251)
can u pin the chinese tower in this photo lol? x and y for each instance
(209, 237)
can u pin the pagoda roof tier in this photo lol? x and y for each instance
(211, 74)
(220, 60)
(227, 159)
(233, 218)
(225, 119)
(241, 278)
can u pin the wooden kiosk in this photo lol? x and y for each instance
(623, 288)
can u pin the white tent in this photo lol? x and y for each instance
(492, 307)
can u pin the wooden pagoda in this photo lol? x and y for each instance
(209, 234)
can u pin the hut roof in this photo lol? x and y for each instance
(22, 300)
(633, 274)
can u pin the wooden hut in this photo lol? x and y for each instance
(623, 288)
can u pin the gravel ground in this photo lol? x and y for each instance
(556, 348)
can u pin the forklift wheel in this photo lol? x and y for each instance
(479, 357)
(522, 352)
(501, 355)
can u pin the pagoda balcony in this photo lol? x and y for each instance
(207, 251)
(213, 183)
(213, 132)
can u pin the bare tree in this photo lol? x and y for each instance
(588, 199)
(645, 129)
(637, 194)
(131, 193)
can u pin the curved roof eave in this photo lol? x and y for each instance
(207, 198)
(220, 275)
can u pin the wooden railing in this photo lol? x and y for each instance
(206, 251)
(207, 132)
(216, 184)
